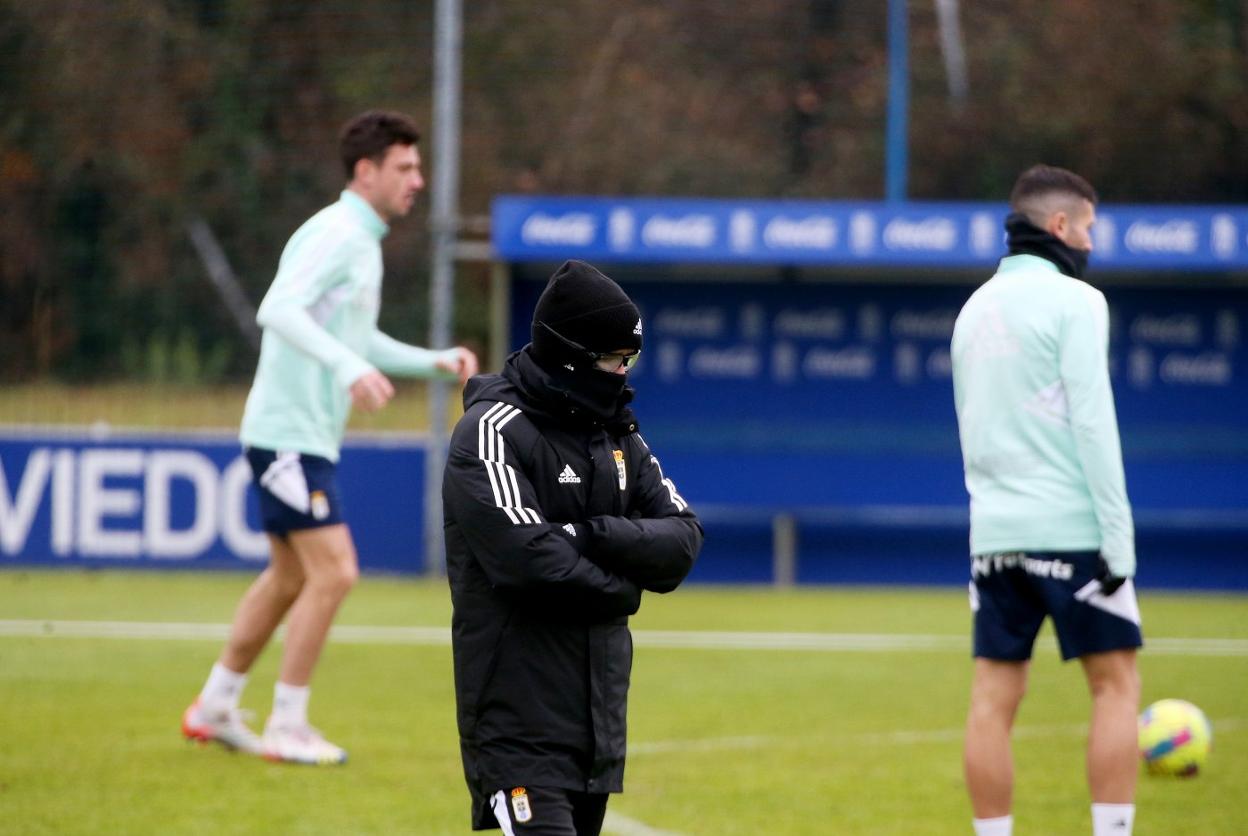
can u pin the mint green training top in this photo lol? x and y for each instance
(320, 333)
(1036, 416)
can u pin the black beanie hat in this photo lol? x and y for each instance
(588, 308)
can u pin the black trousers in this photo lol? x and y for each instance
(549, 811)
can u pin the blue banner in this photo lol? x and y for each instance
(159, 500)
(837, 233)
(832, 403)
(830, 393)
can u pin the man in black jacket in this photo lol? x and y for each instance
(557, 517)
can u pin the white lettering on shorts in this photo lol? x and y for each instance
(983, 565)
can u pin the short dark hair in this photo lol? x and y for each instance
(1040, 180)
(369, 135)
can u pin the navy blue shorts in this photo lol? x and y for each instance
(1012, 592)
(297, 490)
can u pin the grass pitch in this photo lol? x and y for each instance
(168, 406)
(753, 711)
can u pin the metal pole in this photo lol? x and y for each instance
(896, 149)
(784, 550)
(223, 279)
(444, 210)
(951, 48)
(500, 314)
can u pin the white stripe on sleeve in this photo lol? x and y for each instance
(492, 451)
(676, 498)
(485, 451)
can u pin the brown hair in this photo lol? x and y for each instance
(1041, 180)
(369, 135)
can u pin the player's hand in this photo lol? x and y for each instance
(575, 533)
(463, 366)
(371, 391)
(1109, 581)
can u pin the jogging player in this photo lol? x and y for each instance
(321, 354)
(1051, 528)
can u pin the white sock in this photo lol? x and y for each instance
(1000, 826)
(223, 689)
(290, 704)
(1112, 819)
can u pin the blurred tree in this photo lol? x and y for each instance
(121, 121)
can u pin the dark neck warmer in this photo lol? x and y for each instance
(586, 398)
(1025, 238)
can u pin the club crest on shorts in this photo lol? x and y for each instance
(619, 469)
(520, 805)
(320, 505)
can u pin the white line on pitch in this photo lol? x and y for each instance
(624, 826)
(669, 639)
(886, 738)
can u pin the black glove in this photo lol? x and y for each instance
(577, 534)
(1109, 581)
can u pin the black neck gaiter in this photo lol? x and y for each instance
(585, 397)
(1025, 238)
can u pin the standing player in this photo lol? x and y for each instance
(1051, 529)
(321, 354)
(557, 517)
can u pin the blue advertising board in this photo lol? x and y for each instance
(833, 401)
(161, 501)
(843, 233)
(790, 371)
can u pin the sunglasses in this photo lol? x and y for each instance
(605, 362)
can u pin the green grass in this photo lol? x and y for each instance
(721, 741)
(167, 406)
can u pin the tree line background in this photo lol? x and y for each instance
(122, 123)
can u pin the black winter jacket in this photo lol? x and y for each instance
(554, 525)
